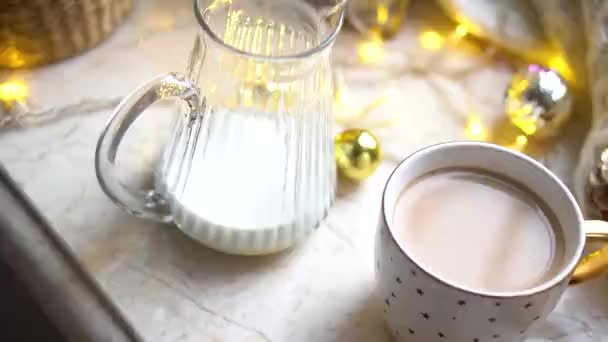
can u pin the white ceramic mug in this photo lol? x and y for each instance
(420, 306)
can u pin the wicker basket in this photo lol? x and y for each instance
(34, 32)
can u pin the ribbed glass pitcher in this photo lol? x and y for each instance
(250, 167)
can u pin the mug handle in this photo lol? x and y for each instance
(595, 263)
(142, 203)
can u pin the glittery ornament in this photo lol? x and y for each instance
(358, 154)
(538, 101)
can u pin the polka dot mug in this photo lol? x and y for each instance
(421, 306)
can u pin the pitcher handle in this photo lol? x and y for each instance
(143, 203)
(595, 263)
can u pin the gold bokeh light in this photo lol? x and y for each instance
(382, 14)
(13, 90)
(475, 130)
(371, 51)
(431, 40)
(461, 31)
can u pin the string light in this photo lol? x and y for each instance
(521, 140)
(431, 40)
(13, 91)
(376, 103)
(382, 14)
(461, 31)
(371, 51)
(475, 129)
(346, 112)
(519, 144)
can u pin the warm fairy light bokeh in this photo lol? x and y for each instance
(519, 144)
(475, 130)
(461, 31)
(431, 40)
(521, 140)
(382, 14)
(13, 91)
(370, 51)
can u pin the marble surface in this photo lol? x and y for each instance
(175, 290)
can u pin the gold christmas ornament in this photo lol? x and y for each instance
(358, 154)
(538, 101)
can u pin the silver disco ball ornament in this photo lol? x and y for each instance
(538, 101)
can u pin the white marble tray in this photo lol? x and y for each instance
(175, 290)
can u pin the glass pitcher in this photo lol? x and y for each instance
(250, 166)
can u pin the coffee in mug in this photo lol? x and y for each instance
(502, 232)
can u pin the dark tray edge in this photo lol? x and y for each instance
(66, 293)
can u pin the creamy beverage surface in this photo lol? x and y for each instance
(477, 231)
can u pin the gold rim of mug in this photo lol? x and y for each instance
(565, 272)
(328, 41)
